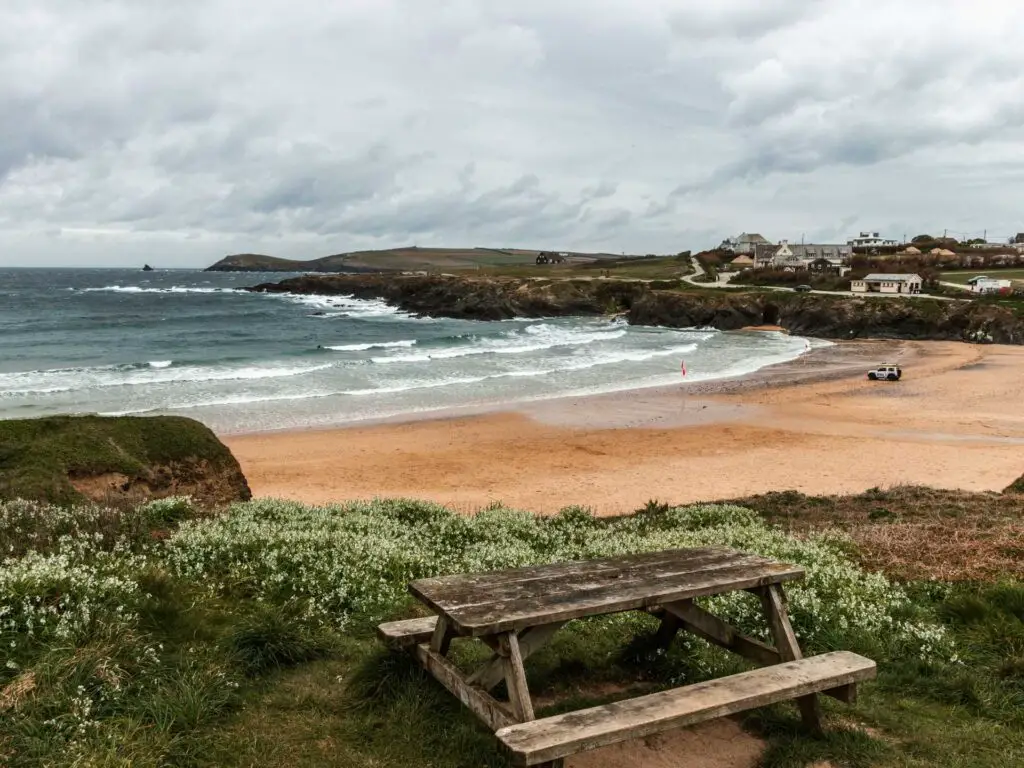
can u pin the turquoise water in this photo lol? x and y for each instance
(187, 342)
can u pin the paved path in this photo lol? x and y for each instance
(724, 278)
(958, 286)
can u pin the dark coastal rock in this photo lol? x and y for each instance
(823, 316)
(471, 298)
(921, 319)
(147, 268)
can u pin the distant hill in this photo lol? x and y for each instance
(391, 260)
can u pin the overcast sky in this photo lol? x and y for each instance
(177, 132)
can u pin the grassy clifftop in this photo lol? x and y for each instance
(246, 638)
(69, 459)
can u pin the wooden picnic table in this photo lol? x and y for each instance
(516, 612)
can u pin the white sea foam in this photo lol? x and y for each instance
(375, 345)
(536, 338)
(349, 305)
(160, 363)
(5, 392)
(172, 289)
(68, 379)
(220, 402)
(610, 358)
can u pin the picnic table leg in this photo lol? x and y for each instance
(667, 630)
(515, 677)
(441, 640)
(774, 601)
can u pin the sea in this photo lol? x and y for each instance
(119, 342)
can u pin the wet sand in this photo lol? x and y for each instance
(814, 424)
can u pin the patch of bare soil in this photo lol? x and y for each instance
(15, 692)
(963, 550)
(717, 744)
(914, 532)
(208, 485)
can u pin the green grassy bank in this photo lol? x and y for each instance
(72, 459)
(160, 635)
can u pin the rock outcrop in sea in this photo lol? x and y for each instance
(663, 303)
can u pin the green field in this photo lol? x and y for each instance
(660, 268)
(962, 276)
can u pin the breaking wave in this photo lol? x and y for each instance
(375, 345)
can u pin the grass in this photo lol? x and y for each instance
(40, 458)
(778, 277)
(962, 276)
(662, 268)
(247, 638)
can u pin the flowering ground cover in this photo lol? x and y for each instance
(163, 635)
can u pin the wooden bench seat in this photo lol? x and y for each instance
(408, 632)
(552, 738)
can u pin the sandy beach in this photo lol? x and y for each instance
(816, 425)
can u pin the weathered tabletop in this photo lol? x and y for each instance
(502, 601)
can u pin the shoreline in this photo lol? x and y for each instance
(839, 357)
(814, 425)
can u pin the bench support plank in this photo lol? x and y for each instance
(481, 703)
(552, 738)
(706, 625)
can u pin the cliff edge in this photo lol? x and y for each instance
(72, 459)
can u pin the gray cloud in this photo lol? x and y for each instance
(200, 127)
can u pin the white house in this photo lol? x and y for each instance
(906, 284)
(871, 240)
(982, 284)
(793, 257)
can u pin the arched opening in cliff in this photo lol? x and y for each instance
(770, 315)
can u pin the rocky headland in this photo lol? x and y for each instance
(663, 303)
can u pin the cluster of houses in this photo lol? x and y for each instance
(545, 257)
(752, 251)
